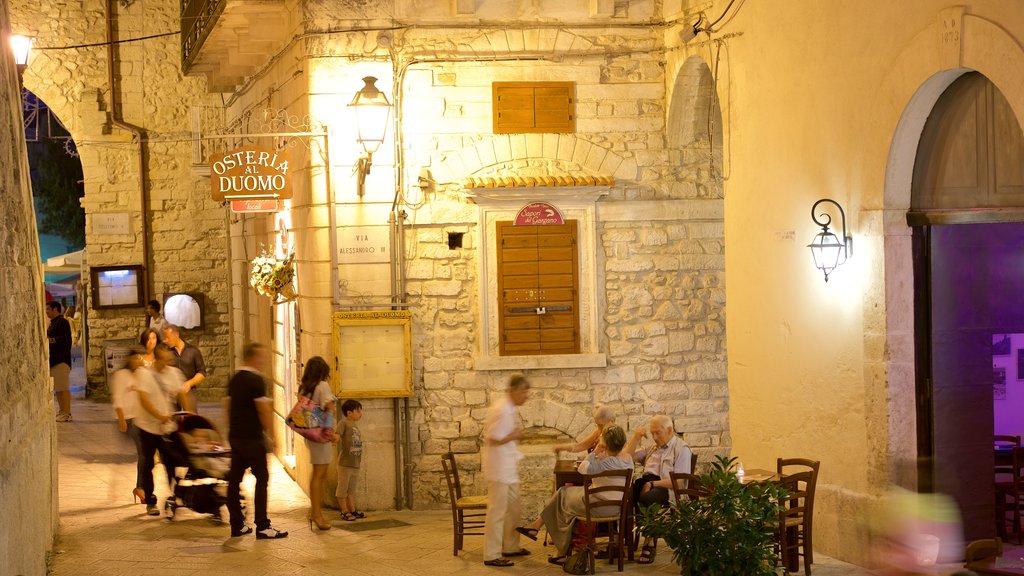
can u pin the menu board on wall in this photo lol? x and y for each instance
(373, 354)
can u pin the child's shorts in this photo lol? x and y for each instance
(347, 480)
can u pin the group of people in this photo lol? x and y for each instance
(250, 419)
(160, 378)
(609, 449)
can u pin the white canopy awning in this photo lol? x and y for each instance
(70, 263)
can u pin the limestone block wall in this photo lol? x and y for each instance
(28, 483)
(660, 247)
(658, 229)
(187, 230)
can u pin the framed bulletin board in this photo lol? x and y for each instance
(373, 354)
(116, 286)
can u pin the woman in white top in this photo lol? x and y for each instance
(315, 386)
(148, 340)
(568, 503)
(153, 420)
(126, 406)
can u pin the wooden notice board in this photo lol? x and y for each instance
(373, 354)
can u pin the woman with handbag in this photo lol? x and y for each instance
(316, 387)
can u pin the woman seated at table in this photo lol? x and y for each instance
(603, 416)
(568, 503)
(668, 454)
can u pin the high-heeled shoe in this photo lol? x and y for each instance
(138, 496)
(321, 523)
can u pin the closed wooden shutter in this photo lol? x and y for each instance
(533, 107)
(538, 289)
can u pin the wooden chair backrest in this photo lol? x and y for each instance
(451, 476)
(601, 498)
(687, 486)
(984, 549)
(784, 465)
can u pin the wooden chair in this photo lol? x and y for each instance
(687, 486)
(468, 512)
(1009, 492)
(1004, 445)
(983, 550)
(607, 513)
(796, 518)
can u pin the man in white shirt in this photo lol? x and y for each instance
(501, 469)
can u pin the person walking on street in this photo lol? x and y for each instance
(501, 469)
(189, 360)
(58, 333)
(250, 416)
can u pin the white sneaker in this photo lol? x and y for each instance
(62, 417)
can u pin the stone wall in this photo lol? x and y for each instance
(186, 229)
(28, 463)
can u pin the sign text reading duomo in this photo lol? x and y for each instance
(250, 172)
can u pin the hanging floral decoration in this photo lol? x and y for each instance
(273, 277)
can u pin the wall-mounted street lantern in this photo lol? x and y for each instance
(372, 111)
(21, 46)
(827, 250)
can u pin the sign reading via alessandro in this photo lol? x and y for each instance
(539, 214)
(250, 173)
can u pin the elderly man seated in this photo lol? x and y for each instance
(667, 454)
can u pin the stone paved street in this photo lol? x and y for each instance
(103, 532)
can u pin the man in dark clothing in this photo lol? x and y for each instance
(250, 432)
(189, 360)
(59, 335)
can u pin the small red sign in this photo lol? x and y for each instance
(255, 205)
(539, 214)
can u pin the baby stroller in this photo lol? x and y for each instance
(202, 465)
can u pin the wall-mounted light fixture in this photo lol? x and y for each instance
(372, 110)
(21, 46)
(827, 250)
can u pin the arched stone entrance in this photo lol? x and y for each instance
(955, 43)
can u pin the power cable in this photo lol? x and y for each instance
(75, 46)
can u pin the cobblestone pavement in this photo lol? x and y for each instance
(103, 532)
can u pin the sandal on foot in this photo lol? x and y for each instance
(530, 533)
(556, 560)
(520, 552)
(348, 517)
(359, 515)
(647, 554)
(500, 562)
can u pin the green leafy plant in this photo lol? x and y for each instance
(730, 531)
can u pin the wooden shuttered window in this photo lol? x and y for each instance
(533, 107)
(538, 289)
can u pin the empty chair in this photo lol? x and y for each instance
(983, 550)
(608, 507)
(1004, 445)
(1009, 489)
(468, 512)
(796, 518)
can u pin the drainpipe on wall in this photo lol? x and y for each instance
(138, 135)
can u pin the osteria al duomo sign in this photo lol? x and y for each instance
(250, 173)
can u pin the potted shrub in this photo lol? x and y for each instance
(728, 532)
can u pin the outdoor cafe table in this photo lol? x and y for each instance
(566, 474)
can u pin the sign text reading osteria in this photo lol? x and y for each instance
(250, 172)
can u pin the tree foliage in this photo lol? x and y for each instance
(57, 188)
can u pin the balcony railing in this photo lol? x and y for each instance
(198, 18)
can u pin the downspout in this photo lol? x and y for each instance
(138, 135)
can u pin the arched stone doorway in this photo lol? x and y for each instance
(968, 229)
(917, 78)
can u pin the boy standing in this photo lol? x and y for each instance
(350, 454)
